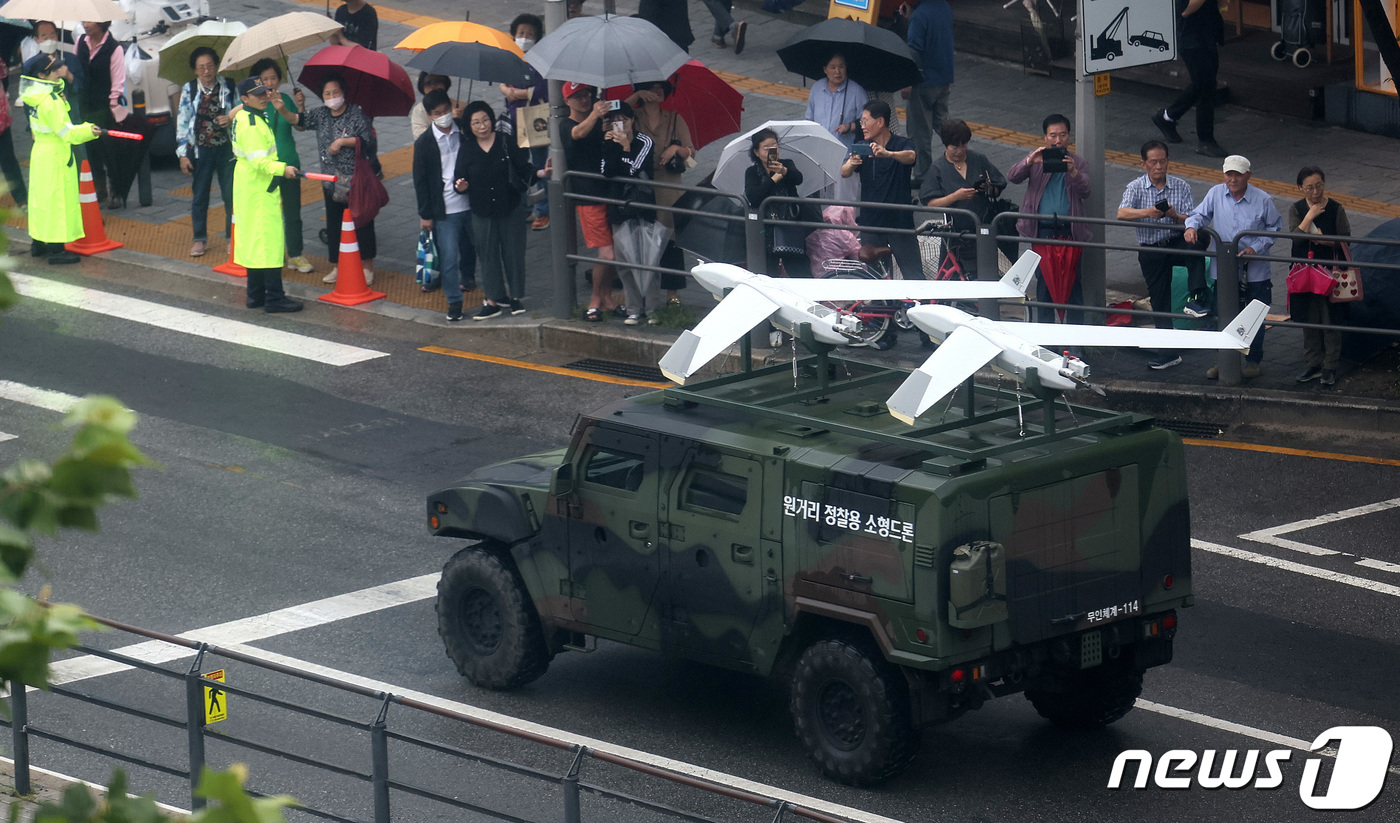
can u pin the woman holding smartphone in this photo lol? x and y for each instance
(771, 176)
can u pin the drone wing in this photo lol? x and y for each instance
(957, 358)
(1238, 336)
(1012, 286)
(744, 308)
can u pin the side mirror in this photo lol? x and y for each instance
(564, 480)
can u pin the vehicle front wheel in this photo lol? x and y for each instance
(1098, 697)
(851, 712)
(488, 623)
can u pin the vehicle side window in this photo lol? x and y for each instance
(615, 469)
(715, 492)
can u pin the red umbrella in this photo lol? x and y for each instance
(1059, 266)
(708, 105)
(375, 83)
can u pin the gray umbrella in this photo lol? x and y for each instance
(606, 51)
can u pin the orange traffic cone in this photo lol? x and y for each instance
(350, 288)
(230, 267)
(94, 239)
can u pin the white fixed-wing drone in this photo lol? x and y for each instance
(967, 343)
(748, 299)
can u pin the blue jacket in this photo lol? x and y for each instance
(931, 40)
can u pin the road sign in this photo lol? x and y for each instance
(215, 701)
(1102, 85)
(1123, 33)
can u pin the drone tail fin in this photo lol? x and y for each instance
(1247, 324)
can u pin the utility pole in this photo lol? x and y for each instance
(1089, 123)
(555, 14)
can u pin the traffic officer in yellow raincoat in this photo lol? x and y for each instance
(55, 215)
(257, 201)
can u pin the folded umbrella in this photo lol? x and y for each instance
(278, 37)
(1059, 267)
(706, 102)
(876, 58)
(175, 54)
(606, 51)
(474, 61)
(375, 83)
(813, 149)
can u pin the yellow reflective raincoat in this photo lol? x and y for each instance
(257, 212)
(55, 215)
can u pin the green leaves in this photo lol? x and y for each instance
(8, 297)
(79, 806)
(233, 804)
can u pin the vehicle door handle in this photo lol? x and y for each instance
(858, 578)
(637, 530)
(742, 554)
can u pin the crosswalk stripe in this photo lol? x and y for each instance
(192, 322)
(33, 396)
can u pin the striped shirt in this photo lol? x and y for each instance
(1141, 194)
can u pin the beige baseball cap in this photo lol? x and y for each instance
(1236, 162)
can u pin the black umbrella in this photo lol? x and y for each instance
(876, 58)
(1381, 307)
(474, 61)
(711, 238)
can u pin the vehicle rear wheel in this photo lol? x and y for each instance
(488, 623)
(1100, 697)
(851, 712)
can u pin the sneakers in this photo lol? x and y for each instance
(1195, 308)
(540, 223)
(1311, 373)
(330, 278)
(37, 248)
(454, 312)
(738, 30)
(300, 264)
(1210, 148)
(197, 248)
(719, 42)
(1329, 377)
(59, 256)
(653, 321)
(516, 307)
(1251, 370)
(1167, 127)
(487, 312)
(634, 319)
(1164, 361)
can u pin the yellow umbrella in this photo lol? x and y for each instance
(450, 31)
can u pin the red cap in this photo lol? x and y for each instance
(571, 88)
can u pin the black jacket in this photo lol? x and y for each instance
(427, 173)
(759, 185)
(636, 163)
(489, 175)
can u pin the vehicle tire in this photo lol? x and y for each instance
(1301, 58)
(1102, 696)
(1279, 51)
(875, 314)
(851, 711)
(487, 621)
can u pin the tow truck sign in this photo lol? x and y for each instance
(1123, 33)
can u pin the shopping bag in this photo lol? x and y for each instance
(427, 271)
(1310, 278)
(367, 193)
(532, 126)
(1348, 285)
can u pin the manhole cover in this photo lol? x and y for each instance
(611, 368)
(1190, 428)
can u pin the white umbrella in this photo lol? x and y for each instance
(606, 51)
(813, 149)
(278, 37)
(92, 11)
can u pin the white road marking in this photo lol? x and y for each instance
(257, 627)
(32, 396)
(192, 322)
(4, 437)
(1271, 535)
(1379, 565)
(1297, 568)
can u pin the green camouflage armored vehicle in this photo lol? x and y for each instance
(781, 522)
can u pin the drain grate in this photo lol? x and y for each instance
(1191, 428)
(612, 368)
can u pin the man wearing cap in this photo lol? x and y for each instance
(1230, 208)
(257, 201)
(582, 136)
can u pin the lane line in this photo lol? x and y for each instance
(192, 322)
(521, 364)
(1255, 447)
(34, 396)
(257, 627)
(4, 437)
(1379, 565)
(1271, 535)
(1297, 568)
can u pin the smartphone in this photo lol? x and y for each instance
(862, 150)
(617, 127)
(773, 155)
(1162, 206)
(1054, 161)
(614, 105)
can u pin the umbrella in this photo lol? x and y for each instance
(175, 54)
(710, 238)
(278, 37)
(816, 153)
(1381, 308)
(1059, 266)
(876, 58)
(449, 31)
(606, 51)
(708, 105)
(96, 11)
(12, 32)
(474, 61)
(374, 82)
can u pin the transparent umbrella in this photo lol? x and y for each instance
(813, 149)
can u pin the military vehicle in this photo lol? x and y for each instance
(781, 522)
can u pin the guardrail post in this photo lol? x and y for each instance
(19, 722)
(379, 767)
(1227, 305)
(756, 254)
(782, 807)
(570, 784)
(987, 268)
(194, 724)
(564, 286)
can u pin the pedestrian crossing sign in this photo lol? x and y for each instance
(215, 701)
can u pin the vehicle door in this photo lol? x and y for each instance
(614, 564)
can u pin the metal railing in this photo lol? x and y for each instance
(190, 717)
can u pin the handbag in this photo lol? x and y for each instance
(367, 192)
(427, 271)
(1310, 278)
(1348, 284)
(532, 126)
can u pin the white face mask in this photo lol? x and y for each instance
(48, 46)
(524, 43)
(335, 103)
(444, 122)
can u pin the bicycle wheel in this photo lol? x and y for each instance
(876, 316)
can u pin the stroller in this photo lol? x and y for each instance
(1302, 24)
